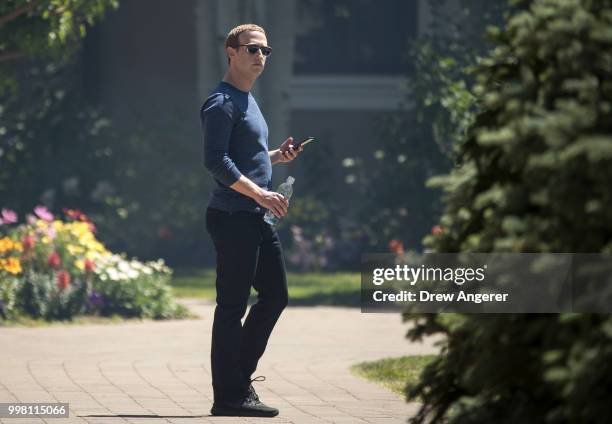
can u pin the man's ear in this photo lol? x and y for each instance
(230, 51)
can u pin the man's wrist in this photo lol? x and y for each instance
(274, 156)
(258, 194)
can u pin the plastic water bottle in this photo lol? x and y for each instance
(286, 189)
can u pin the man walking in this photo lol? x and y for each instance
(248, 249)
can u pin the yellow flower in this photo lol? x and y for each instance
(11, 265)
(74, 250)
(94, 255)
(79, 264)
(6, 244)
(79, 229)
(14, 266)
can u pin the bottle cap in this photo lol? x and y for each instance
(290, 179)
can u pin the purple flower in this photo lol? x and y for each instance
(96, 298)
(8, 216)
(43, 213)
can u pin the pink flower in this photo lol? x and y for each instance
(8, 216)
(50, 232)
(436, 229)
(43, 213)
(31, 219)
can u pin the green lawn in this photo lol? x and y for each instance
(340, 288)
(393, 373)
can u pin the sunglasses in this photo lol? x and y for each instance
(254, 48)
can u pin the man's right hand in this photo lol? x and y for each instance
(273, 201)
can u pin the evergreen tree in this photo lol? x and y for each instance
(533, 176)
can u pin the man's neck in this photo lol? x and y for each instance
(241, 83)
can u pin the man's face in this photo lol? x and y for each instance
(245, 62)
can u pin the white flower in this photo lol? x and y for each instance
(348, 162)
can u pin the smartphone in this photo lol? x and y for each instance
(303, 142)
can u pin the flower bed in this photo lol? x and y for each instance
(56, 269)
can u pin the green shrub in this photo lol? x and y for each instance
(56, 270)
(40, 296)
(8, 297)
(534, 176)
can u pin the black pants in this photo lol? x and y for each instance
(249, 253)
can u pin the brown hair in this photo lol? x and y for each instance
(232, 39)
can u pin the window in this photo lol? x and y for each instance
(355, 37)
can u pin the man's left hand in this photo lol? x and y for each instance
(287, 151)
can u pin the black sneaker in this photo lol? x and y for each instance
(250, 406)
(251, 390)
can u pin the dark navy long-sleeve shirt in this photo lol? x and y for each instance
(235, 137)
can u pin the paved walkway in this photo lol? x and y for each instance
(159, 372)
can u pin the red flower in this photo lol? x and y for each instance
(75, 215)
(71, 213)
(63, 280)
(89, 266)
(396, 246)
(54, 260)
(28, 242)
(436, 229)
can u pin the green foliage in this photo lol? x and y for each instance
(517, 368)
(417, 141)
(58, 149)
(324, 233)
(533, 176)
(39, 297)
(153, 196)
(543, 137)
(399, 205)
(53, 145)
(8, 297)
(443, 58)
(43, 29)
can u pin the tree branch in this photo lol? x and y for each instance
(11, 16)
